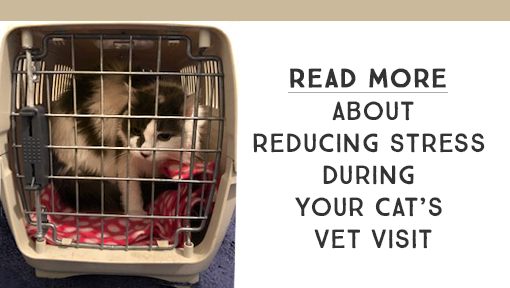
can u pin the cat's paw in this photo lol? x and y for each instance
(137, 212)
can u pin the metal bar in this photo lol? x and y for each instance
(208, 137)
(30, 79)
(43, 68)
(124, 36)
(113, 247)
(101, 63)
(129, 135)
(193, 145)
(127, 116)
(221, 105)
(117, 215)
(125, 179)
(47, 225)
(153, 184)
(38, 213)
(122, 148)
(75, 143)
(87, 245)
(52, 185)
(179, 186)
(16, 80)
(146, 73)
(23, 85)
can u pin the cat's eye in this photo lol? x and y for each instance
(136, 131)
(164, 136)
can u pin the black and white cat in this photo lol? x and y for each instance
(167, 133)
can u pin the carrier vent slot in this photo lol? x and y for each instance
(188, 82)
(211, 83)
(60, 81)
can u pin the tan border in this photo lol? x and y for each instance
(172, 10)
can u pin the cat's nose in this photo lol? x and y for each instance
(145, 154)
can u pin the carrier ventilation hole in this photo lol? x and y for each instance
(211, 83)
(60, 81)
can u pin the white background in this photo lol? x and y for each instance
(468, 247)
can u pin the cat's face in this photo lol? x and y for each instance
(158, 133)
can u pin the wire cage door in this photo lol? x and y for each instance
(42, 76)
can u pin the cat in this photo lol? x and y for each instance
(167, 133)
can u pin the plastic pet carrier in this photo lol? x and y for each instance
(188, 200)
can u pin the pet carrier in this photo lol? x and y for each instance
(39, 63)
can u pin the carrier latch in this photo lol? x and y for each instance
(34, 133)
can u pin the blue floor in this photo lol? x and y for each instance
(15, 272)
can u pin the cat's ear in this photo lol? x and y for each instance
(190, 105)
(133, 89)
(134, 94)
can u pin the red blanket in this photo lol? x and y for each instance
(139, 229)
